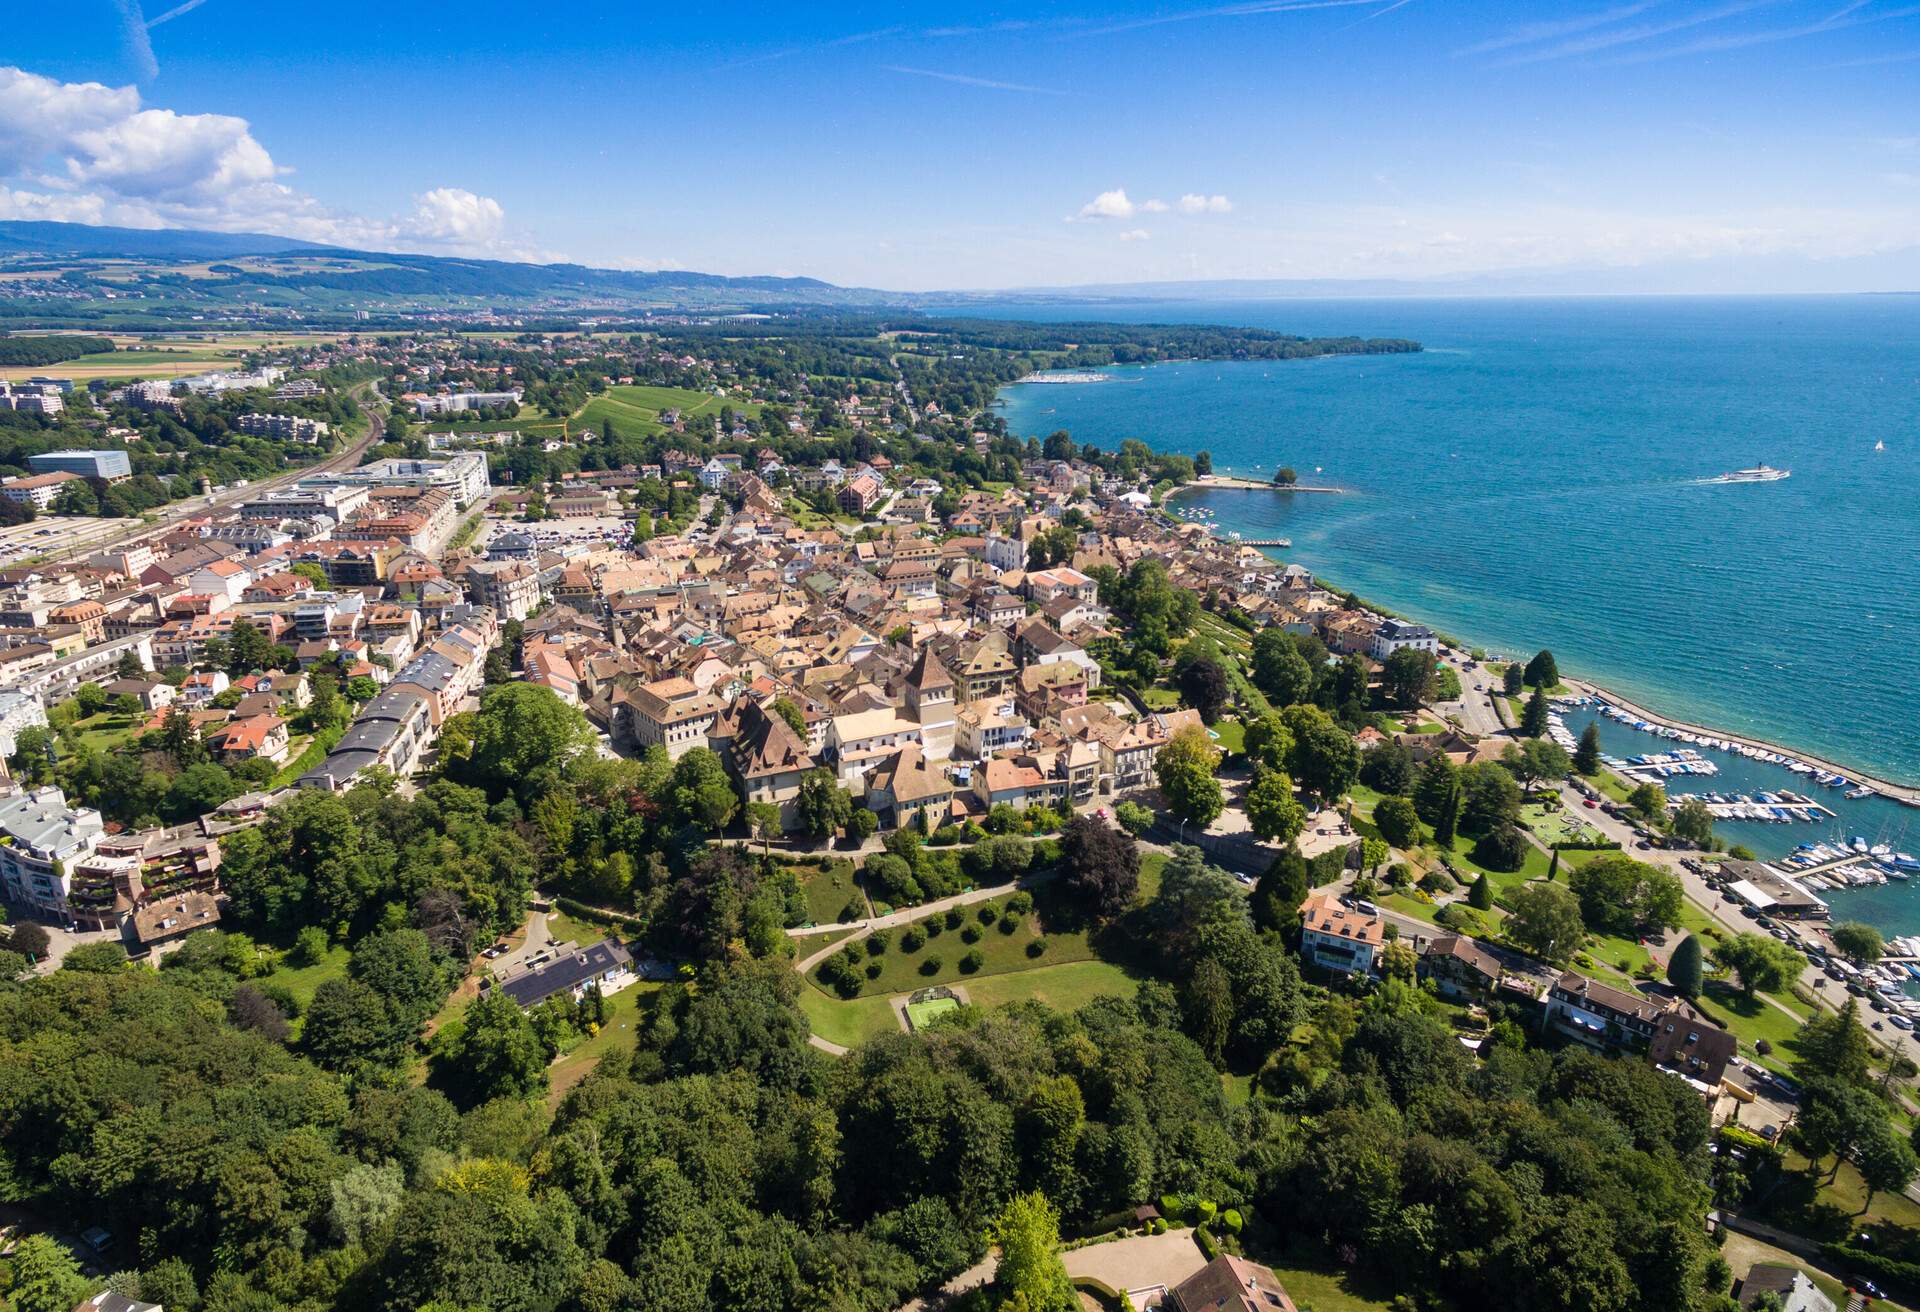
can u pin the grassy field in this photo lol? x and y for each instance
(303, 981)
(902, 971)
(1230, 736)
(848, 1024)
(624, 1009)
(1315, 1281)
(1064, 987)
(580, 929)
(828, 891)
(105, 730)
(637, 409)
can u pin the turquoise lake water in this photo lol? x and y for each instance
(1532, 479)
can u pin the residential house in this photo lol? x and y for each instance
(1601, 1015)
(1230, 1284)
(606, 965)
(1692, 1047)
(1459, 967)
(1339, 937)
(257, 737)
(907, 784)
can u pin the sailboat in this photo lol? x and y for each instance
(1879, 446)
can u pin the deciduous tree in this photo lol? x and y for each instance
(1185, 768)
(1100, 866)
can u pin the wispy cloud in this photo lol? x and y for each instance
(1135, 234)
(1532, 32)
(1624, 36)
(134, 26)
(174, 13)
(133, 31)
(1253, 9)
(836, 43)
(968, 80)
(1852, 15)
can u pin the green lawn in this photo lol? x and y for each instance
(1314, 1281)
(902, 971)
(104, 730)
(574, 1065)
(1160, 699)
(636, 410)
(302, 981)
(848, 1024)
(1557, 824)
(1065, 987)
(581, 930)
(828, 891)
(1230, 736)
(1753, 1019)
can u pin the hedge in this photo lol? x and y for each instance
(575, 907)
(1901, 1278)
(1208, 1248)
(1104, 1294)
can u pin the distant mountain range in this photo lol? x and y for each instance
(161, 275)
(222, 268)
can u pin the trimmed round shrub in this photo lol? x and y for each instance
(971, 934)
(972, 962)
(987, 914)
(1037, 948)
(1159, 1225)
(913, 938)
(877, 942)
(873, 970)
(1232, 1221)
(1020, 904)
(1008, 924)
(955, 917)
(1204, 1212)
(933, 926)
(852, 911)
(930, 965)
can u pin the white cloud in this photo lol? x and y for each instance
(1116, 204)
(1108, 205)
(1192, 203)
(88, 153)
(1135, 234)
(457, 216)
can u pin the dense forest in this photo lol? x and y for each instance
(27, 351)
(376, 1142)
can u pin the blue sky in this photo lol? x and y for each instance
(963, 146)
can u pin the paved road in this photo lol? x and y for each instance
(1475, 708)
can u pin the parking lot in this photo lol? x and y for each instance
(554, 533)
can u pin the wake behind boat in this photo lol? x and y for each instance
(1761, 473)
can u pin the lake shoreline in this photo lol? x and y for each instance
(1904, 794)
(1230, 483)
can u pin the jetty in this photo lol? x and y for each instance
(1903, 794)
(1232, 483)
(1263, 542)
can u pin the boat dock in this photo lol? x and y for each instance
(1265, 542)
(1765, 807)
